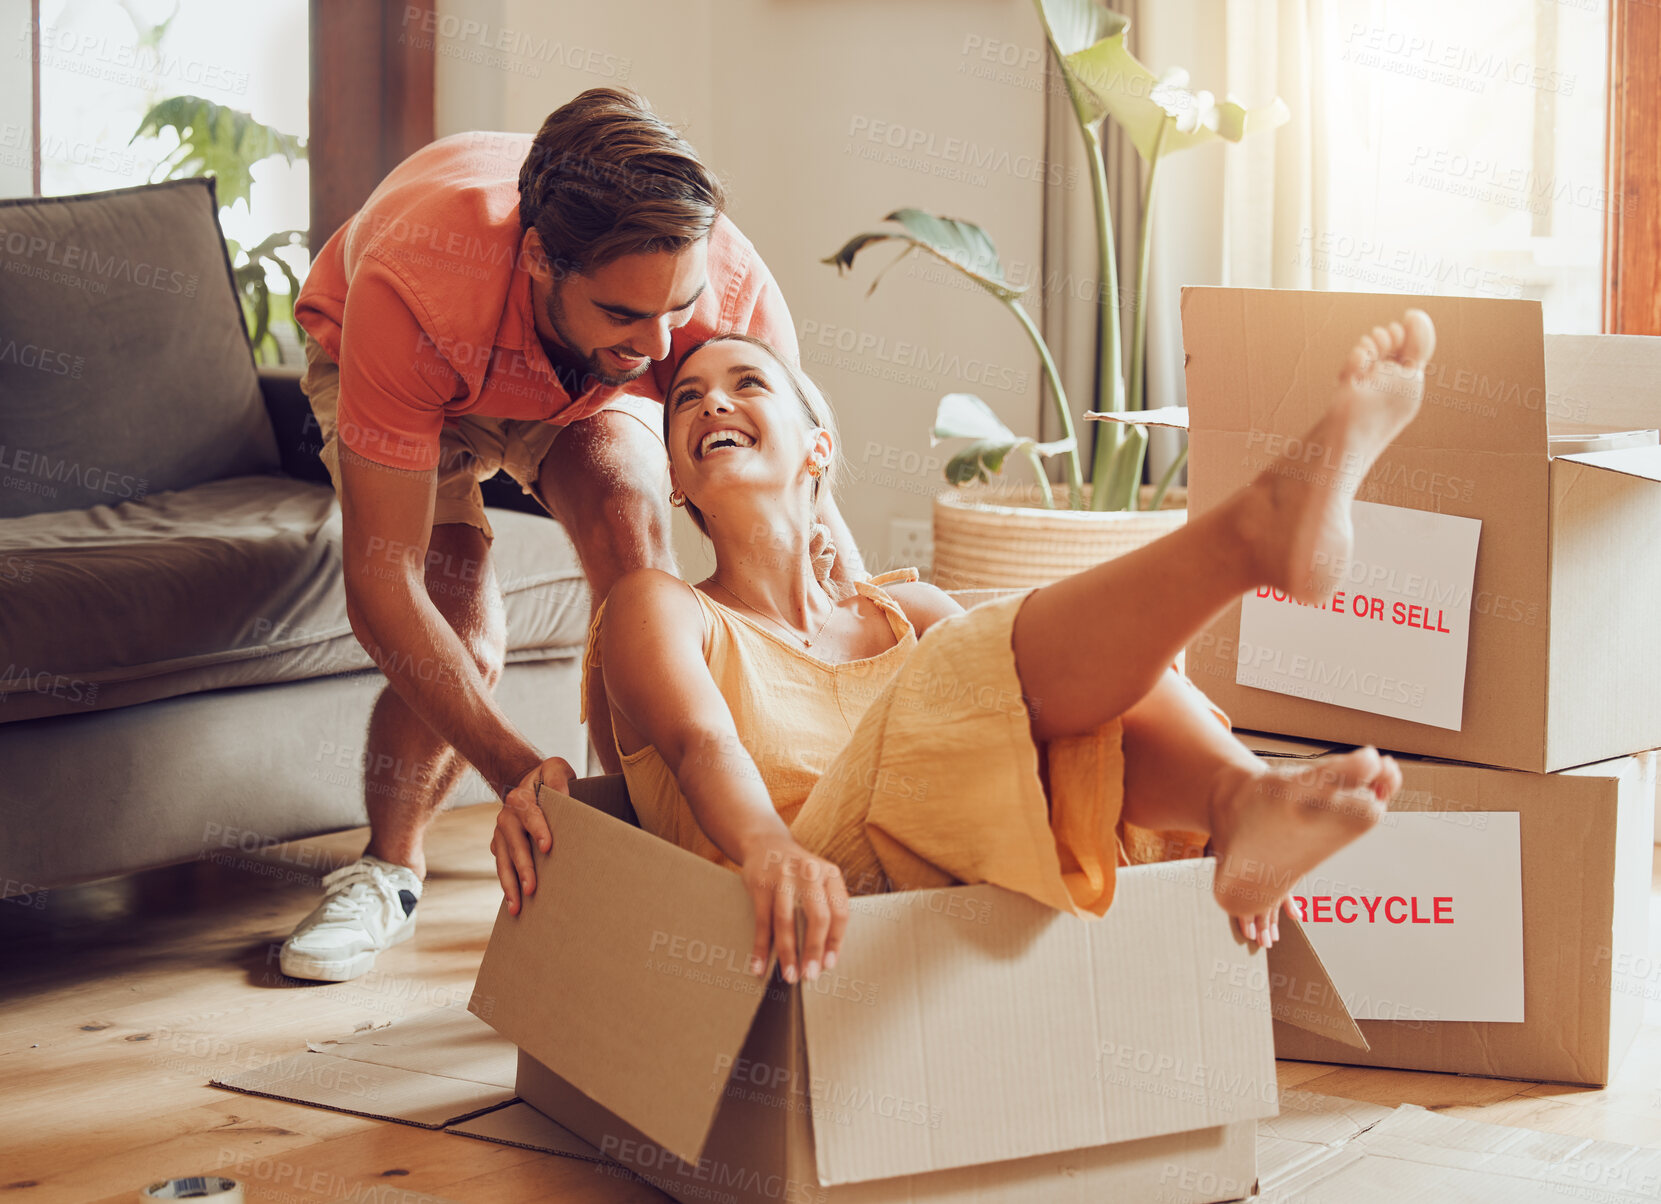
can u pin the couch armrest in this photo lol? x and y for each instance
(299, 438)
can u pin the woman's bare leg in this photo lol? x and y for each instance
(1185, 771)
(1174, 750)
(1094, 646)
(1090, 645)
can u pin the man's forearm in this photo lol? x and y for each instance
(435, 675)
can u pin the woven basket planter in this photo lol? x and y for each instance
(1003, 538)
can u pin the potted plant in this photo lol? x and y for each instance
(1012, 537)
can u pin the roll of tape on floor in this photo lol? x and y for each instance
(196, 1187)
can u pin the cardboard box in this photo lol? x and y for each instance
(1564, 664)
(969, 1045)
(1586, 866)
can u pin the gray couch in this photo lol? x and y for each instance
(175, 659)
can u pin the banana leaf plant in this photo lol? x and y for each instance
(1161, 116)
(967, 248)
(219, 141)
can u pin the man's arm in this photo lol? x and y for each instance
(387, 518)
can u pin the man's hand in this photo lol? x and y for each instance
(782, 877)
(521, 821)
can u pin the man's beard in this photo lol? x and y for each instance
(579, 374)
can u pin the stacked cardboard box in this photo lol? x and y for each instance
(1527, 785)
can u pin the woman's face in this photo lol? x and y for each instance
(735, 423)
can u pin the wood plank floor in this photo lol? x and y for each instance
(119, 1000)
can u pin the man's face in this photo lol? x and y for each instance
(613, 322)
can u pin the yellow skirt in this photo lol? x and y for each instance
(942, 783)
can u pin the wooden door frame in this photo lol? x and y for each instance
(372, 66)
(1632, 221)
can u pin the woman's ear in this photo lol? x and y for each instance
(821, 448)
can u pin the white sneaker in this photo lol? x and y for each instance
(367, 906)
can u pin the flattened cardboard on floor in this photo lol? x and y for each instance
(1414, 1154)
(1563, 617)
(431, 1071)
(968, 1042)
(1586, 855)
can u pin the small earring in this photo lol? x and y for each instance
(677, 498)
(815, 469)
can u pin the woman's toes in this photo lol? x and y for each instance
(1382, 340)
(1420, 341)
(1397, 335)
(1356, 365)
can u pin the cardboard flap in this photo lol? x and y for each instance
(1175, 417)
(414, 1097)
(971, 1025)
(1301, 991)
(522, 1125)
(625, 973)
(1264, 744)
(1607, 381)
(1643, 462)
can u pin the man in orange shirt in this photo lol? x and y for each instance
(500, 303)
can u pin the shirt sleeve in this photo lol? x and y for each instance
(394, 382)
(761, 311)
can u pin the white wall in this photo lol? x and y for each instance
(782, 97)
(16, 92)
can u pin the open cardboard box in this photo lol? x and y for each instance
(1564, 662)
(969, 1045)
(1586, 866)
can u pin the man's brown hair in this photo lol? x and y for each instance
(607, 177)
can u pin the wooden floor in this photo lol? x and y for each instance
(120, 1000)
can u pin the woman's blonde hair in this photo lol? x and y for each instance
(815, 407)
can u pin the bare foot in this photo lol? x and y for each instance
(1271, 826)
(1301, 516)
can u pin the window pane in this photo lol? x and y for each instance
(105, 63)
(1467, 152)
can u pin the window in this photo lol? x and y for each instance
(1466, 152)
(106, 64)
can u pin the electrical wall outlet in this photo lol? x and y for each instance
(911, 543)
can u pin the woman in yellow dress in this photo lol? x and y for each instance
(825, 740)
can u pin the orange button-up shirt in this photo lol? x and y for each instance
(423, 301)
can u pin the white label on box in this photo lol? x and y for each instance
(1422, 918)
(1393, 639)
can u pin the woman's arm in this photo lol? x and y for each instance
(651, 647)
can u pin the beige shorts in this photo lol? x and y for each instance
(471, 449)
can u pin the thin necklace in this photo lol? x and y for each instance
(806, 643)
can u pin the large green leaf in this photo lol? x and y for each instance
(1103, 77)
(1074, 25)
(965, 416)
(216, 140)
(1162, 114)
(963, 245)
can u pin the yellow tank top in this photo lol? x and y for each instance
(793, 711)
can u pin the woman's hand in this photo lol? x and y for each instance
(521, 821)
(783, 877)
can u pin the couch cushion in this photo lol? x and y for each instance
(231, 583)
(124, 366)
